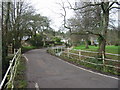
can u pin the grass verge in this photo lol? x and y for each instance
(20, 80)
(27, 48)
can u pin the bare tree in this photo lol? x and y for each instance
(105, 7)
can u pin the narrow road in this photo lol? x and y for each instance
(47, 71)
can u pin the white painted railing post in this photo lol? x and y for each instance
(20, 51)
(79, 55)
(103, 58)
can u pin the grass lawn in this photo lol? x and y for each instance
(27, 48)
(109, 49)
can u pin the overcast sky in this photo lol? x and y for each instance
(52, 10)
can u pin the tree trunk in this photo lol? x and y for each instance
(5, 28)
(92, 41)
(104, 29)
(86, 44)
(102, 47)
(17, 30)
(43, 39)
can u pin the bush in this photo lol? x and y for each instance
(6, 63)
(67, 44)
(117, 44)
(27, 48)
(36, 40)
(57, 41)
(89, 42)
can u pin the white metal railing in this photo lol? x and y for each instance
(11, 71)
(79, 54)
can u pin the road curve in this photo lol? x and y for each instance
(47, 71)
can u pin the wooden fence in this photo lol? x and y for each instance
(70, 53)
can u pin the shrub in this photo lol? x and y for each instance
(57, 41)
(117, 44)
(36, 40)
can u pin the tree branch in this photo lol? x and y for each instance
(110, 5)
(64, 16)
(78, 33)
(83, 6)
(114, 7)
(87, 33)
(102, 6)
(87, 10)
(93, 33)
(117, 3)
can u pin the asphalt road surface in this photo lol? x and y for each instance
(47, 71)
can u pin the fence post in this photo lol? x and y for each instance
(20, 52)
(68, 52)
(14, 51)
(57, 49)
(54, 50)
(61, 49)
(79, 55)
(103, 58)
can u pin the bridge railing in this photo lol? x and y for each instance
(11, 72)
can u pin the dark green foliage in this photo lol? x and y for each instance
(27, 48)
(67, 44)
(5, 63)
(89, 43)
(117, 44)
(57, 40)
(100, 39)
(36, 40)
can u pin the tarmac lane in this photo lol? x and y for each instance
(47, 71)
